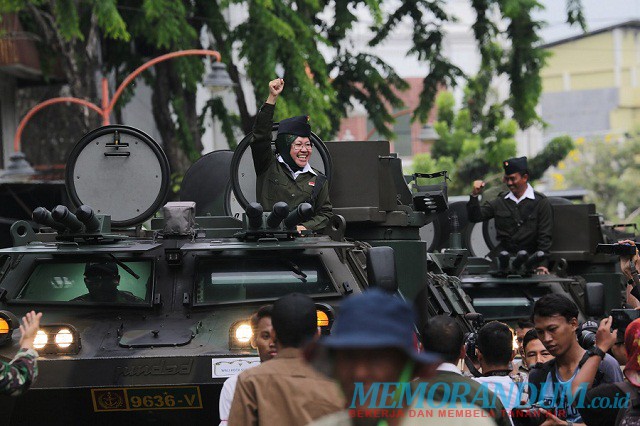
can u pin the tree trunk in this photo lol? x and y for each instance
(161, 99)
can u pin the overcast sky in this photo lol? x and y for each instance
(599, 14)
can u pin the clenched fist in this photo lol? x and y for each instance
(478, 185)
(275, 88)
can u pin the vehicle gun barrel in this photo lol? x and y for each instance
(300, 214)
(503, 260)
(277, 215)
(254, 215)
(520, 258)
(43, 217)
(534, 260)
(64, 216)
(86, 215)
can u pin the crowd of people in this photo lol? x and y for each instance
(375, 372)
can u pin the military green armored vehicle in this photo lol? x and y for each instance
(506, 289)
(157, 348)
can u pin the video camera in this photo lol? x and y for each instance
(616, 249)
(587, 334)
(471, 341)
(622, 318)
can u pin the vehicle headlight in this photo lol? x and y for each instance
(240, 335)
(60, 339)
(8, 323)
(324, 318)
(41, 340)
(64, 338)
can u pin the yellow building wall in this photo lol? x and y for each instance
(589, 63)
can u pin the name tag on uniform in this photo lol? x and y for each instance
(312, 183)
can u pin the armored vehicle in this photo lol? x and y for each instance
(505, 288)
(174, 324)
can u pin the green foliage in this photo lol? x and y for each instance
(285, 38)
(609, 170)
(478, 143)
(424, 163)
(555, 151)
(228, 120)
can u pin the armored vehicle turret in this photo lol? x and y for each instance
(145, 317)
(505, 287)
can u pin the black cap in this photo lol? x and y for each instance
(298, 126)
(294, 319)
(515, 165)
(101, 268)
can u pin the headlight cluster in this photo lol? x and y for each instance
(57, 339)
(240, 332)
(8, 323)
(240, 335)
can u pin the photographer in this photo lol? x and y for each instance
(633, 294)
(600, 406)
(556, 321)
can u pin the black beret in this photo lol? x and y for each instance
(298, 126)
(101, 268)
(515, 165)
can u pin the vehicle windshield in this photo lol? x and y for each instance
(233, 279)
(94, 281)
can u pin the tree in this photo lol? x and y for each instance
(285, 37)
(473, 147)
(609, 169)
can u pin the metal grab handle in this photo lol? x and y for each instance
(117, 154)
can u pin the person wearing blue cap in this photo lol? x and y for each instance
(287, 176)
(373, 344)
(523, 217)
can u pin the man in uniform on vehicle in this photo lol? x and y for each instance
(524, 218)
(102, 280)
(287, 176)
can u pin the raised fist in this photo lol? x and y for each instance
(478, 185)
(275, 87)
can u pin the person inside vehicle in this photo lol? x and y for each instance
(287, 176)
(102, 280)
(523, 217)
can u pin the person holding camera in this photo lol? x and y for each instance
(606, 404)
(630, 265)
(556, 321)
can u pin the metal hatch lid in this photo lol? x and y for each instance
(120, 171)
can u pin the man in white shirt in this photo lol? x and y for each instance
(263, 340)
(523, 217)
(495, 352)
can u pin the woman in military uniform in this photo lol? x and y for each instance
(287, 175)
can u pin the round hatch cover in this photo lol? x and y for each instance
(119, 171)
(206, 183)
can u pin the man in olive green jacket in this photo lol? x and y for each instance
(287, 176)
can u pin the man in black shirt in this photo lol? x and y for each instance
(524, 219)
